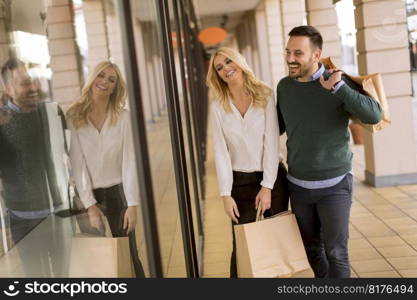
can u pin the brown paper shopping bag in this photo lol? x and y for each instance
(100, 256)
(270, 247)
(370, 85)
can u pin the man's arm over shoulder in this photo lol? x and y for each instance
(361, 106)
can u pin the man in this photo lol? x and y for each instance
(313, 107)
(30, 188)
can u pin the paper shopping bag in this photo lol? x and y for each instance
(100, 256)
(370, 85)
(270, 248)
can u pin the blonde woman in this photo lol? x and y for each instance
(102, 154)
(245, 139)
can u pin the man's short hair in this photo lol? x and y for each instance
(8, 67)
(309, 31)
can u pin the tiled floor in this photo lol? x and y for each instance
(383, 228)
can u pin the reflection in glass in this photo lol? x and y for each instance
(102, 153)
(33, 169)
(158, 134)
(38, 181)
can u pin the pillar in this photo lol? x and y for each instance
(274, 21)
(382, 44)
(263, 43)
(247, 40)
(95, 23)
(293, 13)
(64, 53)
(143, 72)
(322, 15)
(4, 30)
(114, 36)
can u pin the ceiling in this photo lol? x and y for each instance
(222, 13)
(226, 13)
(26, 17)
(219, 7)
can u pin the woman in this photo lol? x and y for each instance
(102, 155)
(245, 139)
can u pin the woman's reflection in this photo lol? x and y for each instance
(102, 155)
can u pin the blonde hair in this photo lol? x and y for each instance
(258, 90)
(78, 111)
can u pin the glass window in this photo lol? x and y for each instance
(60, 155)
(34, 162)
(184, 68)
(69, 185)
(159, 139)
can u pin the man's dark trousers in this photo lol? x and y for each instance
(323, 218)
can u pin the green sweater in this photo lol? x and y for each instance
(316, 122)
(26, 165)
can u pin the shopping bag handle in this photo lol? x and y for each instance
(259, 214)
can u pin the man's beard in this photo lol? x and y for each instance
(28, 103)
(299, 73)
(302, 71)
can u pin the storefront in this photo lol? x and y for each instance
(167, 101)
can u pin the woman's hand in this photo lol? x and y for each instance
(230, 208)
(130, 218)
(94, 216)
(264, 197)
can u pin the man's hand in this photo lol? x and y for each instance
(230, 208)
(264, 197)
(335, 77)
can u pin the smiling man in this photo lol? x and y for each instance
(314, 105)
(26, 165)
(24, 91)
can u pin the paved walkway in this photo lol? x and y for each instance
(383, 228)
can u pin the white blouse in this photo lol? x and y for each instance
(103, 159)
(245, 144)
